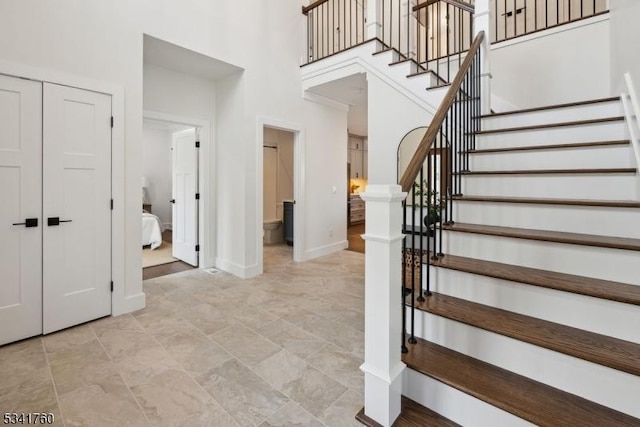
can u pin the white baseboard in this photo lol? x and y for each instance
(129, 304)
(325, 250)
(237, 269)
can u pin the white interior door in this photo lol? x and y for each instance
(20, 196)
(185, 204)
(77, 193)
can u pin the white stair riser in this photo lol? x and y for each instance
(387, 57)
(614, 319)
(601, 263)
(609, 387)
(567, 186)
(619, 156)
(558, 115)
(600, 220)
(608, 131)
(427, 80)
(448, 402)
(421, 82)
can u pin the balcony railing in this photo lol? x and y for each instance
(433, 33)
(515, 18)
(334, 26)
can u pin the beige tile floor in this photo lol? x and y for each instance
(283, 349)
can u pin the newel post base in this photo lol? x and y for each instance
(383, 367)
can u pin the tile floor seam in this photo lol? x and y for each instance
(117, 371)
(319, 369)
(291, 398)
(183, 368)
(53, 382)
(286, 284)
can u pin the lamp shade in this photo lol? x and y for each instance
(145, 181)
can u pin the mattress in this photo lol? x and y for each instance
(151, 231)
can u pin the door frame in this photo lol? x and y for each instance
(206, 183)
(127, 296)
(299, 223)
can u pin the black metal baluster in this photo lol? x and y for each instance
(515, 21)
(404, 278)
(438, 37)
(420, 253)
(412, 336)
(448, 8)
(308, 44)
(408, 28)
(505, 19)
(400, 27)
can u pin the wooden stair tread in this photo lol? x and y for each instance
(421, 72)
(552, 125)
(551, 171)
(413, 415)
(552, 107)
(401, 60)
(551, 147)
(528, 399)
(542, 201)
(597, 288)
(549, 236)
(601, 349)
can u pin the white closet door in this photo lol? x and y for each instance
(185, 206)
(20, 198)
(77, 193)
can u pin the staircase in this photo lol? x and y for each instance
(534, 316)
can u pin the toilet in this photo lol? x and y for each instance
(272, 231)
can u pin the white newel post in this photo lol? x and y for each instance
(482, 22)
(382, 365)
(374, 19)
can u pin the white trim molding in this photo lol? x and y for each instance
(206, 183)
(299, 186)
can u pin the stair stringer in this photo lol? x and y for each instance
(362, 60)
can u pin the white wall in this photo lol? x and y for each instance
(391, 117)
(358, 115)
(103, 41)
(156, 166)
(625, 33)
(555, 66)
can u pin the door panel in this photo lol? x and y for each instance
(185, 208)
(77, 191)
(20, 196)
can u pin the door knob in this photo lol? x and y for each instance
(54, 221)
(28, 223)
(172, 201)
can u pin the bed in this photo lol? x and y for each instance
(151, 231)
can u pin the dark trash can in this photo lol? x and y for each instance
(288, 221)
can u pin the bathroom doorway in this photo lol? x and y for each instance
(278, 182)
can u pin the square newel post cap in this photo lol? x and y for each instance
(383, 193)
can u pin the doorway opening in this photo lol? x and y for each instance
(280, 196)
(170, 197)
(278, 190)
(357, 175)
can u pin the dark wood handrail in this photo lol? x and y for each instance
(413, 169)
(459, 4)
(306, 9)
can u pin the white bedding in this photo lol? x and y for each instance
(151, 230)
